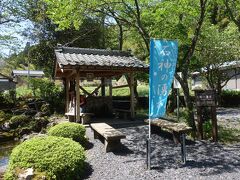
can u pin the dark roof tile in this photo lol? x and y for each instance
(97, 57)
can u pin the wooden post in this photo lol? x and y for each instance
(77, 98)
(103, 86)
(67, 95)
(214, 124)
(132, 104)
(110, 87)
(200, 123)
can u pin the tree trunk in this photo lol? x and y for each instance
(189, 103)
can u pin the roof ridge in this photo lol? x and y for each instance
(89, 51)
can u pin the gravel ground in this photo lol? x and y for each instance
(206, 160)
(229, 117)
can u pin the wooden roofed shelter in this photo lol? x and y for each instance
(73, 64)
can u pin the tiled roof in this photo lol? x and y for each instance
(97, 57)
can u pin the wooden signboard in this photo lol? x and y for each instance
(205, 98)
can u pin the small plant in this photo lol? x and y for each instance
(71, 130)
(54, 157)
(207, 128)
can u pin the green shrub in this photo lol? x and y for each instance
(207, 128)
(19, 120)
(71, 130)
(2, 117)
(56, 157)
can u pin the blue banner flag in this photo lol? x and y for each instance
(163, 59)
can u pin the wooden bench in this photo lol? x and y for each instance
(178, 130)
(85, 118)
(110, 135)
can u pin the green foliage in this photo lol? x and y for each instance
(45, 88)
(231, 93)
(207, 128)
(7, 98)
(71, 130)
(57, 157)
(24, 92)
(143, 90)
(4, 117)
(19, 121)
(48, 91)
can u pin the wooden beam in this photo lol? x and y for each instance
(71, 74)
(132, 98)
(103, 86)
(84, 91)
(77, 98)
(67, 85)
(95, 90)
(122, 86)
(110, 87)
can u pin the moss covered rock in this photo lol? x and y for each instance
(71, 130)
(55, 157)
(19, 121)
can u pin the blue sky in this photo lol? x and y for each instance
(18, 41)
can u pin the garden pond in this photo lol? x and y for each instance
(5, 151)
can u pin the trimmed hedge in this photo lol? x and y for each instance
(55, 157)
(71, 130)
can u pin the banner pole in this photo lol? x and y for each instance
(178, 104)
(149, 146)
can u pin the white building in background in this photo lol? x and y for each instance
(17, 74)
(6, 83)
(232, 69)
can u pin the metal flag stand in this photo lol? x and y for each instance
(149, 146)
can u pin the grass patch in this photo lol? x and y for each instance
(228, 135)
(143, 91)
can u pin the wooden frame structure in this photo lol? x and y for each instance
(73, 64)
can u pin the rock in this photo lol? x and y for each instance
(41, 114)
(6, 126)
(19, 111)
(26, 137)
(24, 131)
(26, 175)
(6, 136)
(30, 112)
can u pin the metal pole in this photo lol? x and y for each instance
(178, 104)
(149, 146)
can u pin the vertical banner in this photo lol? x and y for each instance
(163, 59)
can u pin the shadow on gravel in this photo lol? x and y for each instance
(123, 151)
(88, 145)
(210, 158)
(88, 170)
